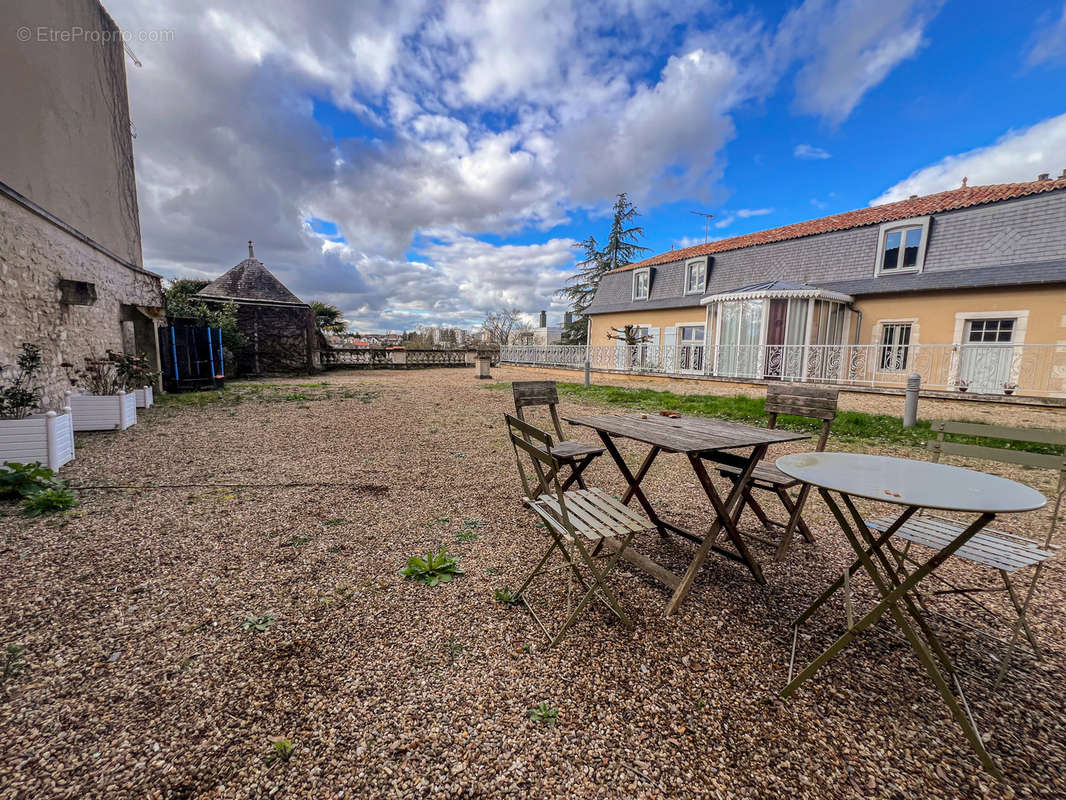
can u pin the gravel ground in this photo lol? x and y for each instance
(139, 681)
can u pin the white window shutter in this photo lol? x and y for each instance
(669, 349)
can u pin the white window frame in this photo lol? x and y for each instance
(882, 346)
(1021, 328)
(636, 279)
(902, 225)
(701, 263)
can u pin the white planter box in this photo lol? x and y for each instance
(145, 398)
(110, 412)
(45, 438)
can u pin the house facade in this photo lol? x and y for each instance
(966, 287)
(72, 280)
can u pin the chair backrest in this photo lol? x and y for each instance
(803, 400)
(1006, 455)
(538, 393)
(535, 446)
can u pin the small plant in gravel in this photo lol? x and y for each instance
(48, 500)
(17, 480)
(544, 713)
(504, 596)
(297, 540)
(334, 521)
(261, 624)
(13, 662)
(455, 649)
(434, 568)
(466, 535)
(282, 750)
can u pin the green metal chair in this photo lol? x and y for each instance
(1006, 553)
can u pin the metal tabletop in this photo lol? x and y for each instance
(685, 434)
(922, 484)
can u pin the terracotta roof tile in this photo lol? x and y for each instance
(874, 215)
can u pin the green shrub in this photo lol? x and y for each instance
(16, 480)
(433, 569)
(48, 500)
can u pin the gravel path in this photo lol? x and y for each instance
(139, 681)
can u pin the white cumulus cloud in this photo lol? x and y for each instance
(1015, 157)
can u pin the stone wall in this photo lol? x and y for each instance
(280, 339)
(35, 255)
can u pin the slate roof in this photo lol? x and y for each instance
(251, 283)
(963, 197)
(1030, 274)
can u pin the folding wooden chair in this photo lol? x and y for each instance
(800, 400)
(579, 522)
(574, 454)
(1004, 552)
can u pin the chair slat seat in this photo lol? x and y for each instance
(990, 548)
(573, 449)
(592, 512)
(766, 473)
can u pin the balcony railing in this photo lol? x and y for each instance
(1035, 369)
(380, 358)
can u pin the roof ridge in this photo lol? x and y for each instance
(947, 200)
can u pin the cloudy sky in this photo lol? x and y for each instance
(416, 162)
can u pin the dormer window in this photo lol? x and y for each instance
(695, 276)
(641, 284)
(901, 246)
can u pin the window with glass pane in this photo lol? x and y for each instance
(640, 286)
(901, 249)
(895, 346)
(695, 277)
(991, 331)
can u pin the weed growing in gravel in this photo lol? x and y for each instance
(335, 548)
(297, 540)
(504, 596)
(13, 662)
(18, 479)
(455, 649)
(282, 750)
(433, 569)
(334, 521)
(468, 533)
(48, 500)
(544, 713)
(254, 624)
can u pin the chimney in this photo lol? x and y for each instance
(543, 319)
(251, 252)
(568, 318)
(1043, 176)
(912, 197)
(1062, 175)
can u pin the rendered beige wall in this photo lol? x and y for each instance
(65, 123)
(934, 313)
(665, 318)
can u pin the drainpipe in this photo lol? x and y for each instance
(858, 322)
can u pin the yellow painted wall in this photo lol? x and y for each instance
(664, 318)
(933, 314)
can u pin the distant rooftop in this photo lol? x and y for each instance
(250, 282)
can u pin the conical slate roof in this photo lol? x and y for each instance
(250, 282)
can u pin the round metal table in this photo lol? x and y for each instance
(915, 485)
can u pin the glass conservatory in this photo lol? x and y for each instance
(778, 330)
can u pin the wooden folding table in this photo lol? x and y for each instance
(699, 439)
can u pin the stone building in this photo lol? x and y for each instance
(71, 276)
(280, 327)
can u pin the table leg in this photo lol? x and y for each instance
(724, 511)
(890, 599)
(633, 483)
(644, 467)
